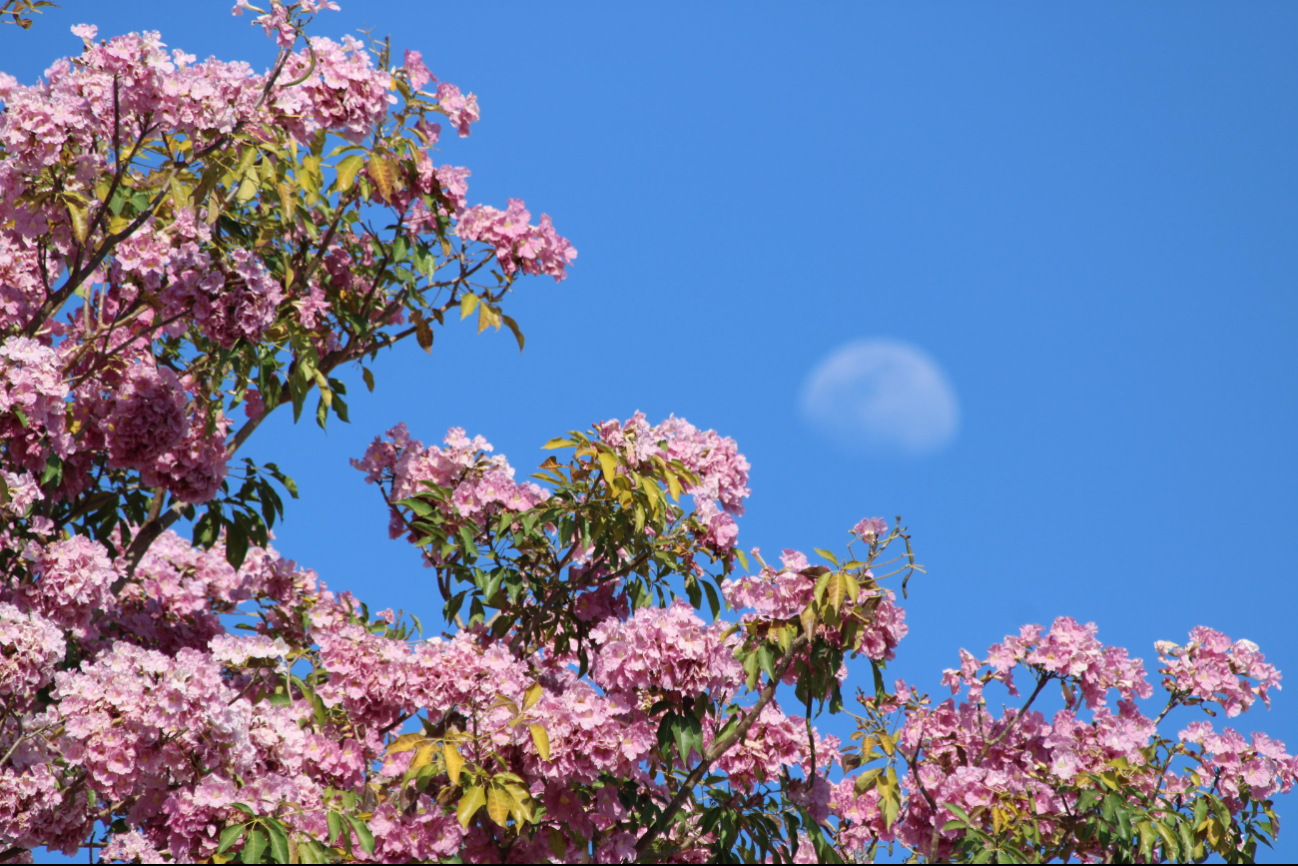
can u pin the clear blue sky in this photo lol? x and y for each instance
(1086, 214)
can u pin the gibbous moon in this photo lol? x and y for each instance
(883, 397)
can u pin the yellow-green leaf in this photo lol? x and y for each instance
(808, 618)
(513, 326)
(468, 304)
(541, 740)
(558, 845)
(287, 201)
(347, 170)
(487, 317)
(80, 221)
(674, 487)
(836, 590)
(852, 587)
(558, 443)
(825, 554)
(423, 757)
(384, 174)
(454, 762)
(522, 804)
(498, 803)
(473, 800)
(405, 743)
(247, 188)
(867, 780)
(532, 695)
(889, 797)
(608, 463)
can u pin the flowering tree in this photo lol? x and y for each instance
(188, 247)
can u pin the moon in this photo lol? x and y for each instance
(882, 396)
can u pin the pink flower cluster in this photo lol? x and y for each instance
(1212, 669)
(480, 484)
(871, 528)
(532, 249)
(416, 71)
(73, 580)
(1260, 766)
(179, 592)
(1068, 650)
(774, 742)
(136, 718)
(30, 646)
(32, 409)
(21, 290)
(194, 469)
(235, 305)
(344, 92)
(148, 418)
(772, 593)
(462, 111)
(668, 652)
(722, 471)
(784, 593)
(23, 493)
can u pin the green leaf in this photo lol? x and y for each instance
(362, 833)
(713, 602)
(278, 841)
(558, 443)
(254, 847)
(368, 377)
(230, 835)
(236, 543)
(825, 554)
(335, 827)
(347, 170)
(867, 780)
(53, 471)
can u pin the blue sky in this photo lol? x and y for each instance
(1085, 215)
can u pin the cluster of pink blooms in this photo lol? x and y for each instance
(783, 593)
(1212, 669)
(722, 472)
(777, 741)
(1069, 650)
(480, 484)
(519, 245)
(968, 757)
(666, 651)
(30, 646)
(344, 93)
(149, 417)
(72, 581)
(32, 412)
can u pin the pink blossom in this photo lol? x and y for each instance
(871, 528)
(519, 246)
(418, 72)
(30, 646)
(1210, 668)
(668, 649)
(460, 110)
(148, 418)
